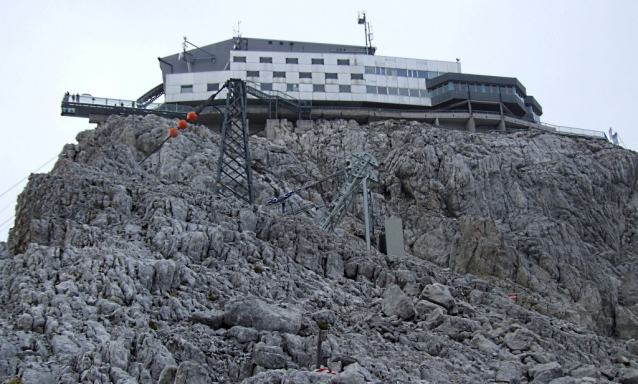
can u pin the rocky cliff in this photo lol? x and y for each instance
(119, 272)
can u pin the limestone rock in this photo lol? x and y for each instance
(397, 303)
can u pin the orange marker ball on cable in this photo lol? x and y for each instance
(191, 116)
(182, 124)
(173, 132)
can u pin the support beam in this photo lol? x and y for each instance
(470, 124)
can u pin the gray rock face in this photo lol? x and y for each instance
(397, 303)
(123, 273)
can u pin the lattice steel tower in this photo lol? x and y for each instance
(233, 167)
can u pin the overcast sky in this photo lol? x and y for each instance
(577, 58)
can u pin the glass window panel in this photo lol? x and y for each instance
(422, 74)
(267, 60)
(414, 93)
(432, 74)
(457, 86)
(356, 76)
(404, 92)
(402, 72)
(187, 89)
(371, 89)
(305, 75)
(450, 86)
(343, 61)
(212, 87)
(382, 90)
(252, 73)
(317, 61)
(239, 59)
(344, 89)
(279, 74)
(370, 70)
(331, 75)
(292, 60)
(266, 86)
(463, 86)
(378, 70)
(391, 71)
(318, 88)
(292, 87)
(393, 91)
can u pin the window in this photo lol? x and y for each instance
(292, 87)
(382, 90)
(343, 61)
(344, 89)
(267, 60)
(239, 59)
(412, 73)
(403, 92)
(370, 70)
(212, 87)
(422, 74)
(356, 76)
(318, 88)
(464, 87)
(292, 60)
(390, 72)
(380, 71)
(317, 61)
(331, 75)
(305, 75)
(266, 86)
(402, 72)
(252, 74)
(187, 89)
(371, 89)
(393, 91)
(415, 92)
(450, 86)
(279, 74)
(457, 86)
(432, 74)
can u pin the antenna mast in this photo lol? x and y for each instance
(368, 31)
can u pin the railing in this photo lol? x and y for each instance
(575, 131)
(91, 100)
(279, 94)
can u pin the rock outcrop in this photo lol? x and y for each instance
(123, 273)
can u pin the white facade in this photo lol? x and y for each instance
(341, 77)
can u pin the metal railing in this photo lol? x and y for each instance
(575, 131)
(101, 101)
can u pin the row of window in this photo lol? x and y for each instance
(482, 88)
(289, 60)
(305, 75)
(401, 72)
(211, 87)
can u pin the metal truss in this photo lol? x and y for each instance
(356, 183)
(234, 173)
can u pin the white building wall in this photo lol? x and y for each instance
(194, 86)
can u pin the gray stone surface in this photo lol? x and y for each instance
(119, 272)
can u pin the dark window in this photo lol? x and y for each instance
(212, 87)
(371, 89)
(390, 71)
(432, 74)
(292, 87)
(403, 91)
(270, 42)
(343, 61)
(415, 92)
(463, 86)
(305, 75)
(239, 59)
(331, 75)
(187, 89)
(292, 60)
(281, 43)
(266, 86)
(370, 70)
(356, 76)
(402, 72)
(382, 90)
(318, 88)
(344, 89)
(393, 91)
(252, 73)
(457, 86)
(265, 60)
(380, 71)
(422, 74)
(279, 74)
(317, 61)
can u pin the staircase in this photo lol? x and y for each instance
(279, 98)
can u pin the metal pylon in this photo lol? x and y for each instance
(233, 167)
(357, 182)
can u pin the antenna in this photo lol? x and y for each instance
(361, 19)
(240, 43)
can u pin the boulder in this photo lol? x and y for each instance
(397, 303)
(544, 373)
(438, 294)
(254, 313)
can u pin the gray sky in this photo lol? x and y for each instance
(574, 57)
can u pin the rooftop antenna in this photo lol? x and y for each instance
(240, 43)
(361, 19)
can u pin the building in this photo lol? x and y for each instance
(330, 75)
